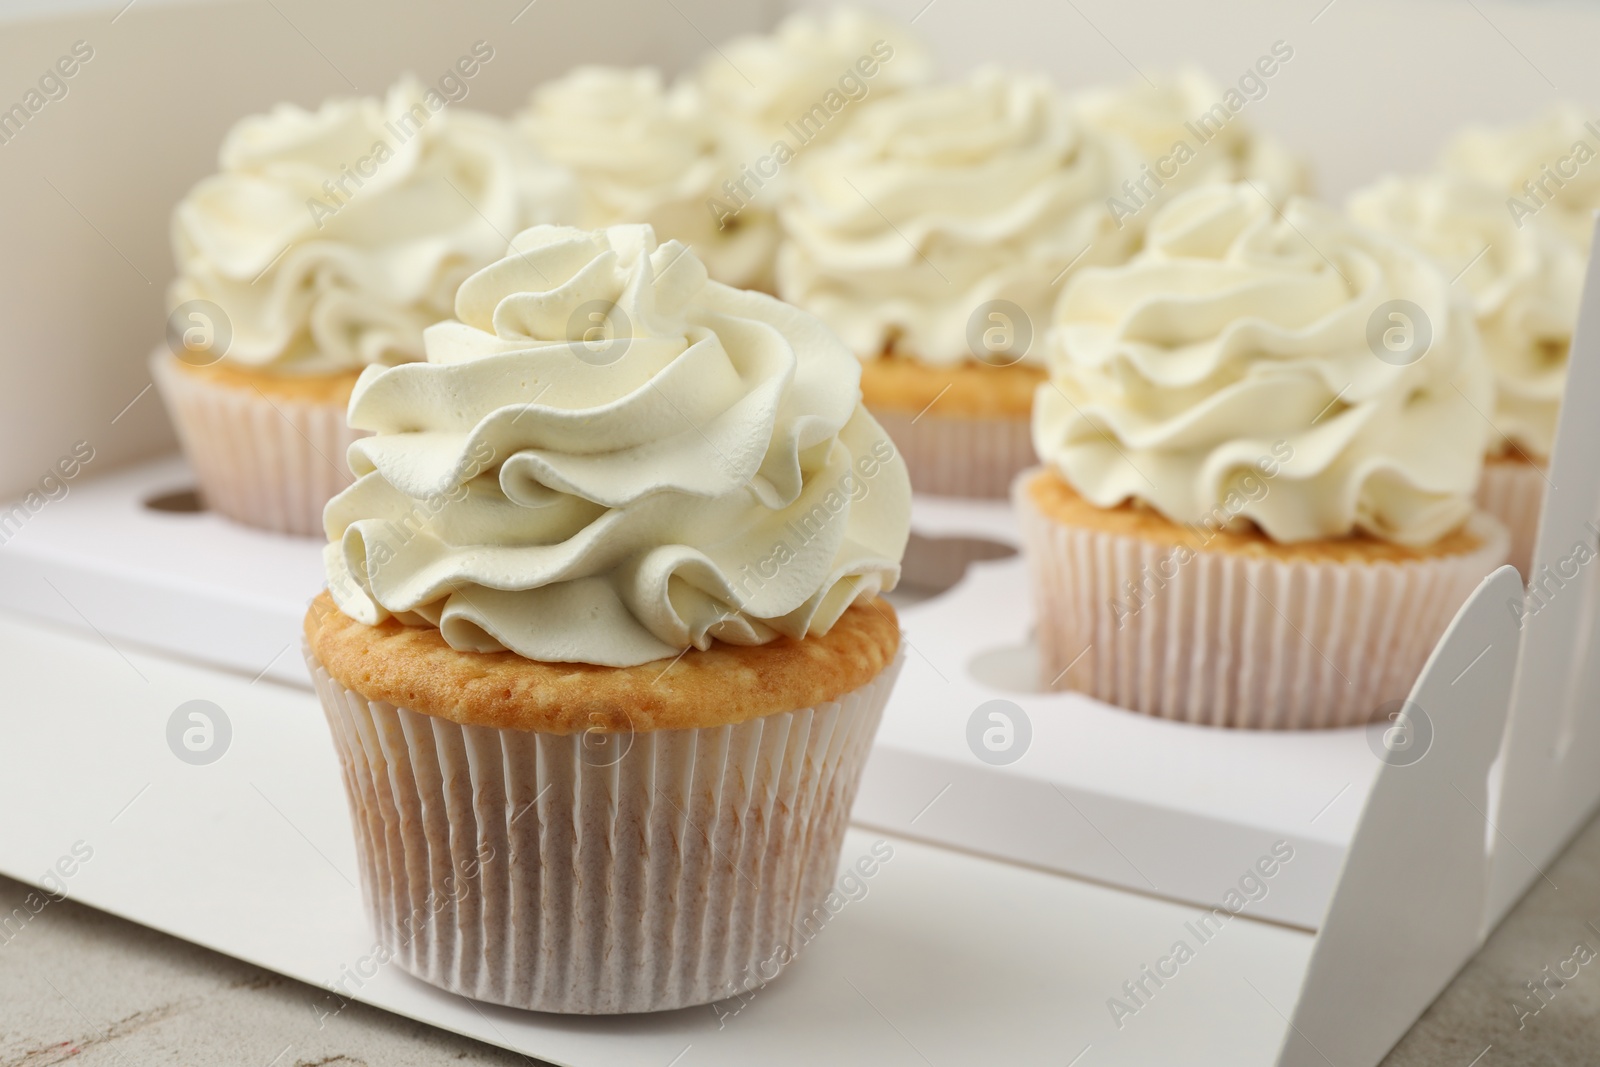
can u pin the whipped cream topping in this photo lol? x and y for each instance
(1547, 168)
(1526, 283)
(331, 238)
(1226, 374)
(936, 200)
(758, 85)
(644, 153)
(609, 459)
(1180, 108)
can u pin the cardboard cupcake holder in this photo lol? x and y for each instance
(1029, 877)
(1047, 872)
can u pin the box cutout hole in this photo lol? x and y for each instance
(933, 565)
(176, 502)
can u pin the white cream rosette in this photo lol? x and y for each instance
(937, 200)
(1526, 282)
(1240, 327)
(1547, 168)
(759, 88)
(1173, 122)
(646, 153)
(610, 459)
(331, 238)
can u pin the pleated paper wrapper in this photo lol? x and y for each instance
(1234, 640)
(271, 463)
(1513, 492)
(954, 455)
(598, 873)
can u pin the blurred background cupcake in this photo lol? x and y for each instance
(1541, 167)
(602, 624)
(1525, 278)
(1188, 133)
(646, 153)
(1257, 508)
(1542, 174)
(930, 234)
(326, 242)
(800, 84)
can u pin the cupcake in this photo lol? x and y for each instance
(1541, 172)
(1188, 133)
(930, 234)
(1253, 512)
(326, 243)
(802, 83)
(1541, 167)
(1525, 280)
(601, 650)
(644, 153)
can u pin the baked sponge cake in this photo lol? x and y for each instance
(602, 649)
(1254, 511)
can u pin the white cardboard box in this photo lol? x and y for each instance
(949, 954)
(252, 856)
(1152, 806)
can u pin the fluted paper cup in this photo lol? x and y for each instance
(1513, 492)
(1227, 639)
(597, 874)
(267, 462)
(957, 455)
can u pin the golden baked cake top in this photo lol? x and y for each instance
(963, 390)
(412, 667)
(1051, 494)
(334, 388)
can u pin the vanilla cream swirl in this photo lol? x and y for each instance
(1237, 343)
(1526, 283)
(331, 238)
(610, 459)
(1157, 116)
(649, 154)
(1547, 168)
(758, 85)
(937, 200)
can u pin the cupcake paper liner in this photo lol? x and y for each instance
(269, 463)
(954, 455)
(1514, 494)
(1232, 640)
(598, 873)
